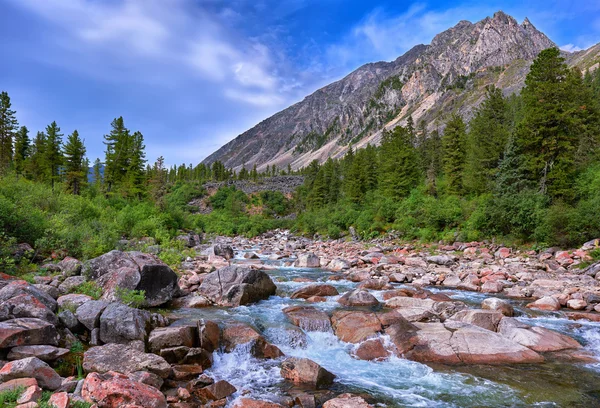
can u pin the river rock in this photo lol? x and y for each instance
(27, 332)
(121, 324)
(500, 305)
(314, 290)
(133, 271)
(371, 350)
(114, 390)
(238, 334)
(355, 326)
(224, 251)
(252, 403)
(308, 318)
(536, 338)
(217, 391)
(166, 337)
(305, 371)
(43, 352)
(123, 359)
(236, 286)
(486, 319)
(31, 367)
(358, 297)
(89, 313)
(338, 265)
(347, 401)
(548, 303)
(307, 260)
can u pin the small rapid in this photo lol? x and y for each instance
(395, 382)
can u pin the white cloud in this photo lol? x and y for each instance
(570, 48)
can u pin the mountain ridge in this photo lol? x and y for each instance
(428, 82)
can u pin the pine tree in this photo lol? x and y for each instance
(22, 149)
(117, 148)
(510, 178)
(98, 172)
(410, 128)
(136, 180)
(399, 164)
(53, 158)
(75, 164)
(453, 145)
(8, 127)
(35, 164)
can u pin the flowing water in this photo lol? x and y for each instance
(397, 382)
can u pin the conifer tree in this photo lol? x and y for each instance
(453, 146)
(53, 158)
(75, 169)
(136, 180)
(98, 172)
(398, 161)
(8, 127)
(117, 144)
(35, 164)
(22, 149)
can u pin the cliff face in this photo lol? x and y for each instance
(429, 83)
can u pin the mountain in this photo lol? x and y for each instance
(429, 82)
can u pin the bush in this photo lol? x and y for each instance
(130, 297)
(89, 288)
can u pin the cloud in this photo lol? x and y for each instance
(570, 48)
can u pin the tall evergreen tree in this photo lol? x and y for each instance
(36, 163)
(53, 158)
(75, 168)
(136, 180)
(8, 127)
(22, 149)
(399, 164)
(98, 172)
(453, 145)
(117, 144)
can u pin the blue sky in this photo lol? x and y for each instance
(193, 74)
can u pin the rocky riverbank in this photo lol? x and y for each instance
(264, 301)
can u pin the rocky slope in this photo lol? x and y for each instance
(429, 83)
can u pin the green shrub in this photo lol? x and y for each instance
(130, 297)
(9, 398)
(89, 288)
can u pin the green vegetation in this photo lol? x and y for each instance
(9, 398)
(130, 297)
(89, 288)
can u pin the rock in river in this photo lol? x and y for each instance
(236, 286)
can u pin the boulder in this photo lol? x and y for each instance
(536, 338)
(252, 403)
(347, 401)
(307, 372)
(114, 390)
(500, 305)
(307, 260)
(486, 319)
(444, 260)
(338, 265)
(70, 283)
(89, 313)
(31, 367)
(19, 287)
(547, 303)
(224, 251)
(314, 290)
(26, 305)
(358, 297)
(234, 335)
(59, 400)
(166, 337)
(43, 352)
(371, 350)
(236, 286)
(308, 318)
(217, 391)
(354, 326)
(31, 394)
(123, 359)
(121, 324)
(27, 332)
(134, 271)
(17, 383)
(72, 300)
(70, 266)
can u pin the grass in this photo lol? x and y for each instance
(8, 398)
(89, 288)
(130, 297)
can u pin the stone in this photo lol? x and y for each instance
(43, 352)
(209, 335)
(27, 332)
(547, 303)
(31, 367)
(25, 305)
(236, 286)
(492, 287)
(121, 324)
(237, 334)
(314, 290)
(19, 287)
(123, 359)
(186, 372)
(444, 260)
(355, 326)
(347, 402)
(337, 265)
(536, 338)
(307, 260)
(17, 383)
(225, 251)
(371, 350)
(72, 300)
(219, 390)
(59, 400)
(167, 337)
(70, 283)
(576, 304)
(451, 281)
(503, 253)
(358, 297)
(486, 319)
(114, 390)
(30, 394)
(70, 266)
(252, 403)
(308, 318)
(307, 372)
(499, 305)
(89, 313)
(68, 320)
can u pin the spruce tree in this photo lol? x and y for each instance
(22, 149)
(136, 180)
(36, 162)
(75, 168)
(117, 144)
(8, 127)
(53, 158)
(98, 172)
(453, 146)
(399, 164)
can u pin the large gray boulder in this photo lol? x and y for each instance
(125, 360)
(31, 367)
(122, 324)
(89, 313)
(16, 288)
(307, 260)
(27, 332)
(224, 251)
(235, 286)
(134, 271)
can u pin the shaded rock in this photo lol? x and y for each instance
(224, 251)
(27, 332)
(308, 318)
(43, 352)
(307, 260)
(358, 297)
(121, 324)
(219, 390)
(70, 266)
(89, 313)
(68, 320)
(354, 326)
(536, 338)
(209, 335)
(305, 371)
(113, 390)
(186, 372)
(122, 359)
(235, 286)
(31, 367)
(166, 337)
(499, 305)
(314, 290)
(486, 319)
